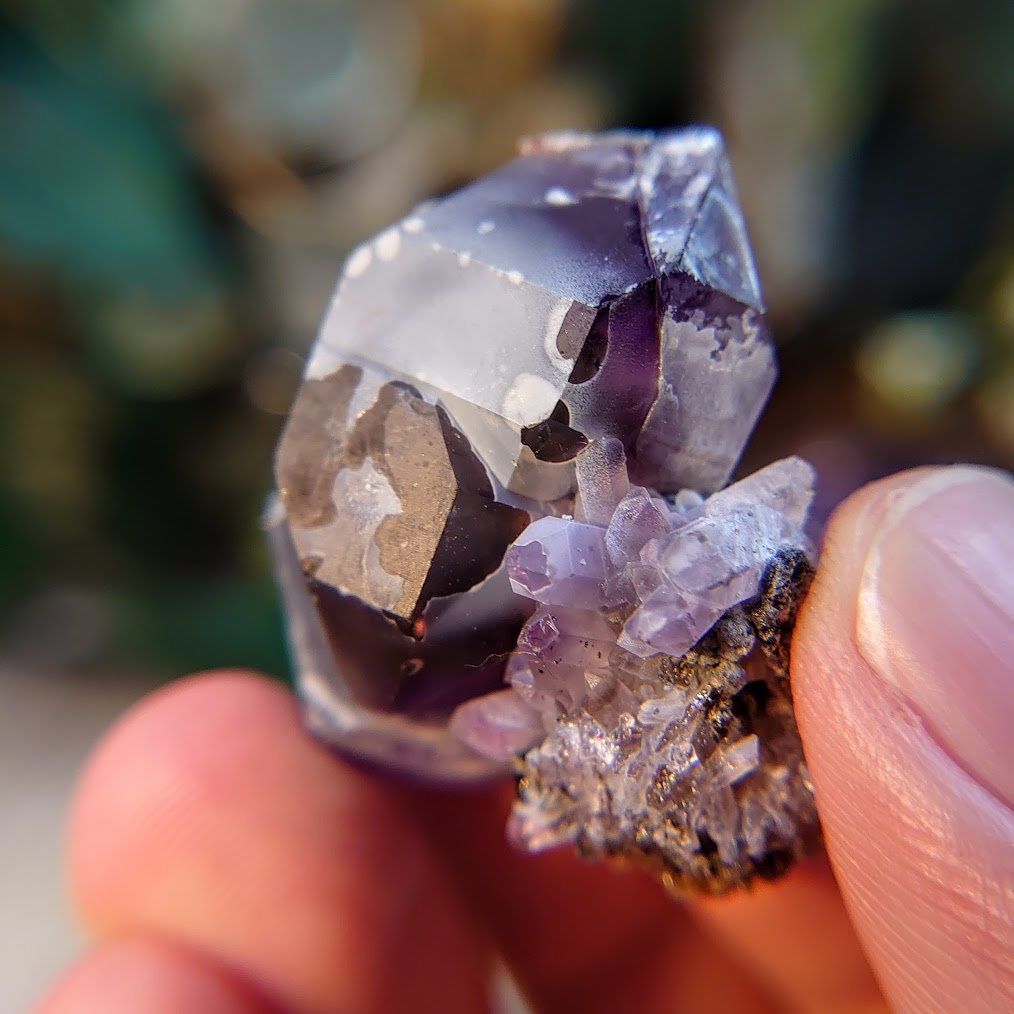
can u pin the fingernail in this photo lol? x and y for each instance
(935, 616)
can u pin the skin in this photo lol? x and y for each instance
(222, 861)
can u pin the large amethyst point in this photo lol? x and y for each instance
(599, 285)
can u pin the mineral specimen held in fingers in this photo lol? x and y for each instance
(503, 535)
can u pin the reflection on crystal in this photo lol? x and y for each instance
(495, 522)
(520, 305)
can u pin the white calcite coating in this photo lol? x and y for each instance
(530, 399)
(387, 244)
(359, 260)
(559, 197)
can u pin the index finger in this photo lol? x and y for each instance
(209, 817)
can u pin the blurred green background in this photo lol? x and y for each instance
(180, 180)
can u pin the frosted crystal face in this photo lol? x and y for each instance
(510, 443)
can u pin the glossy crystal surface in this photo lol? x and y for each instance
(511, 440)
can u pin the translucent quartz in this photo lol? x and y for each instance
(501, 532)
(668, 727)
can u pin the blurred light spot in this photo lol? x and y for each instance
(1002, 302)
(790, 90)
(181, 23)
(167, 350)
(917, 362)
(319, 77)
(994, 402)
(485, 51)
(335, 78)
(254, 179)
(49, 448)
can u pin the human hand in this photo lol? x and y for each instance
(223, 861)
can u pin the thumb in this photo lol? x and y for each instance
(903, 671)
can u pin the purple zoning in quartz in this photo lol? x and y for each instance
(509, 448)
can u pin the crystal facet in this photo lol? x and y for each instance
(502, 534)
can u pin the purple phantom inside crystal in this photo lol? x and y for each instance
(502, 534)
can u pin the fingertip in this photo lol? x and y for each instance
(919, 841)
(208, 815)
(158, 754)
(153, 975)
(795, 935)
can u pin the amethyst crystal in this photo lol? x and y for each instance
(660, 721)
(502, 535)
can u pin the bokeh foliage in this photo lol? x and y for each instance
(179, 182)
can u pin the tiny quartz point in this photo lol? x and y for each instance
(503, 531)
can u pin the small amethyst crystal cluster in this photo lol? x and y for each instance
(502, 534)
(649, 697)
